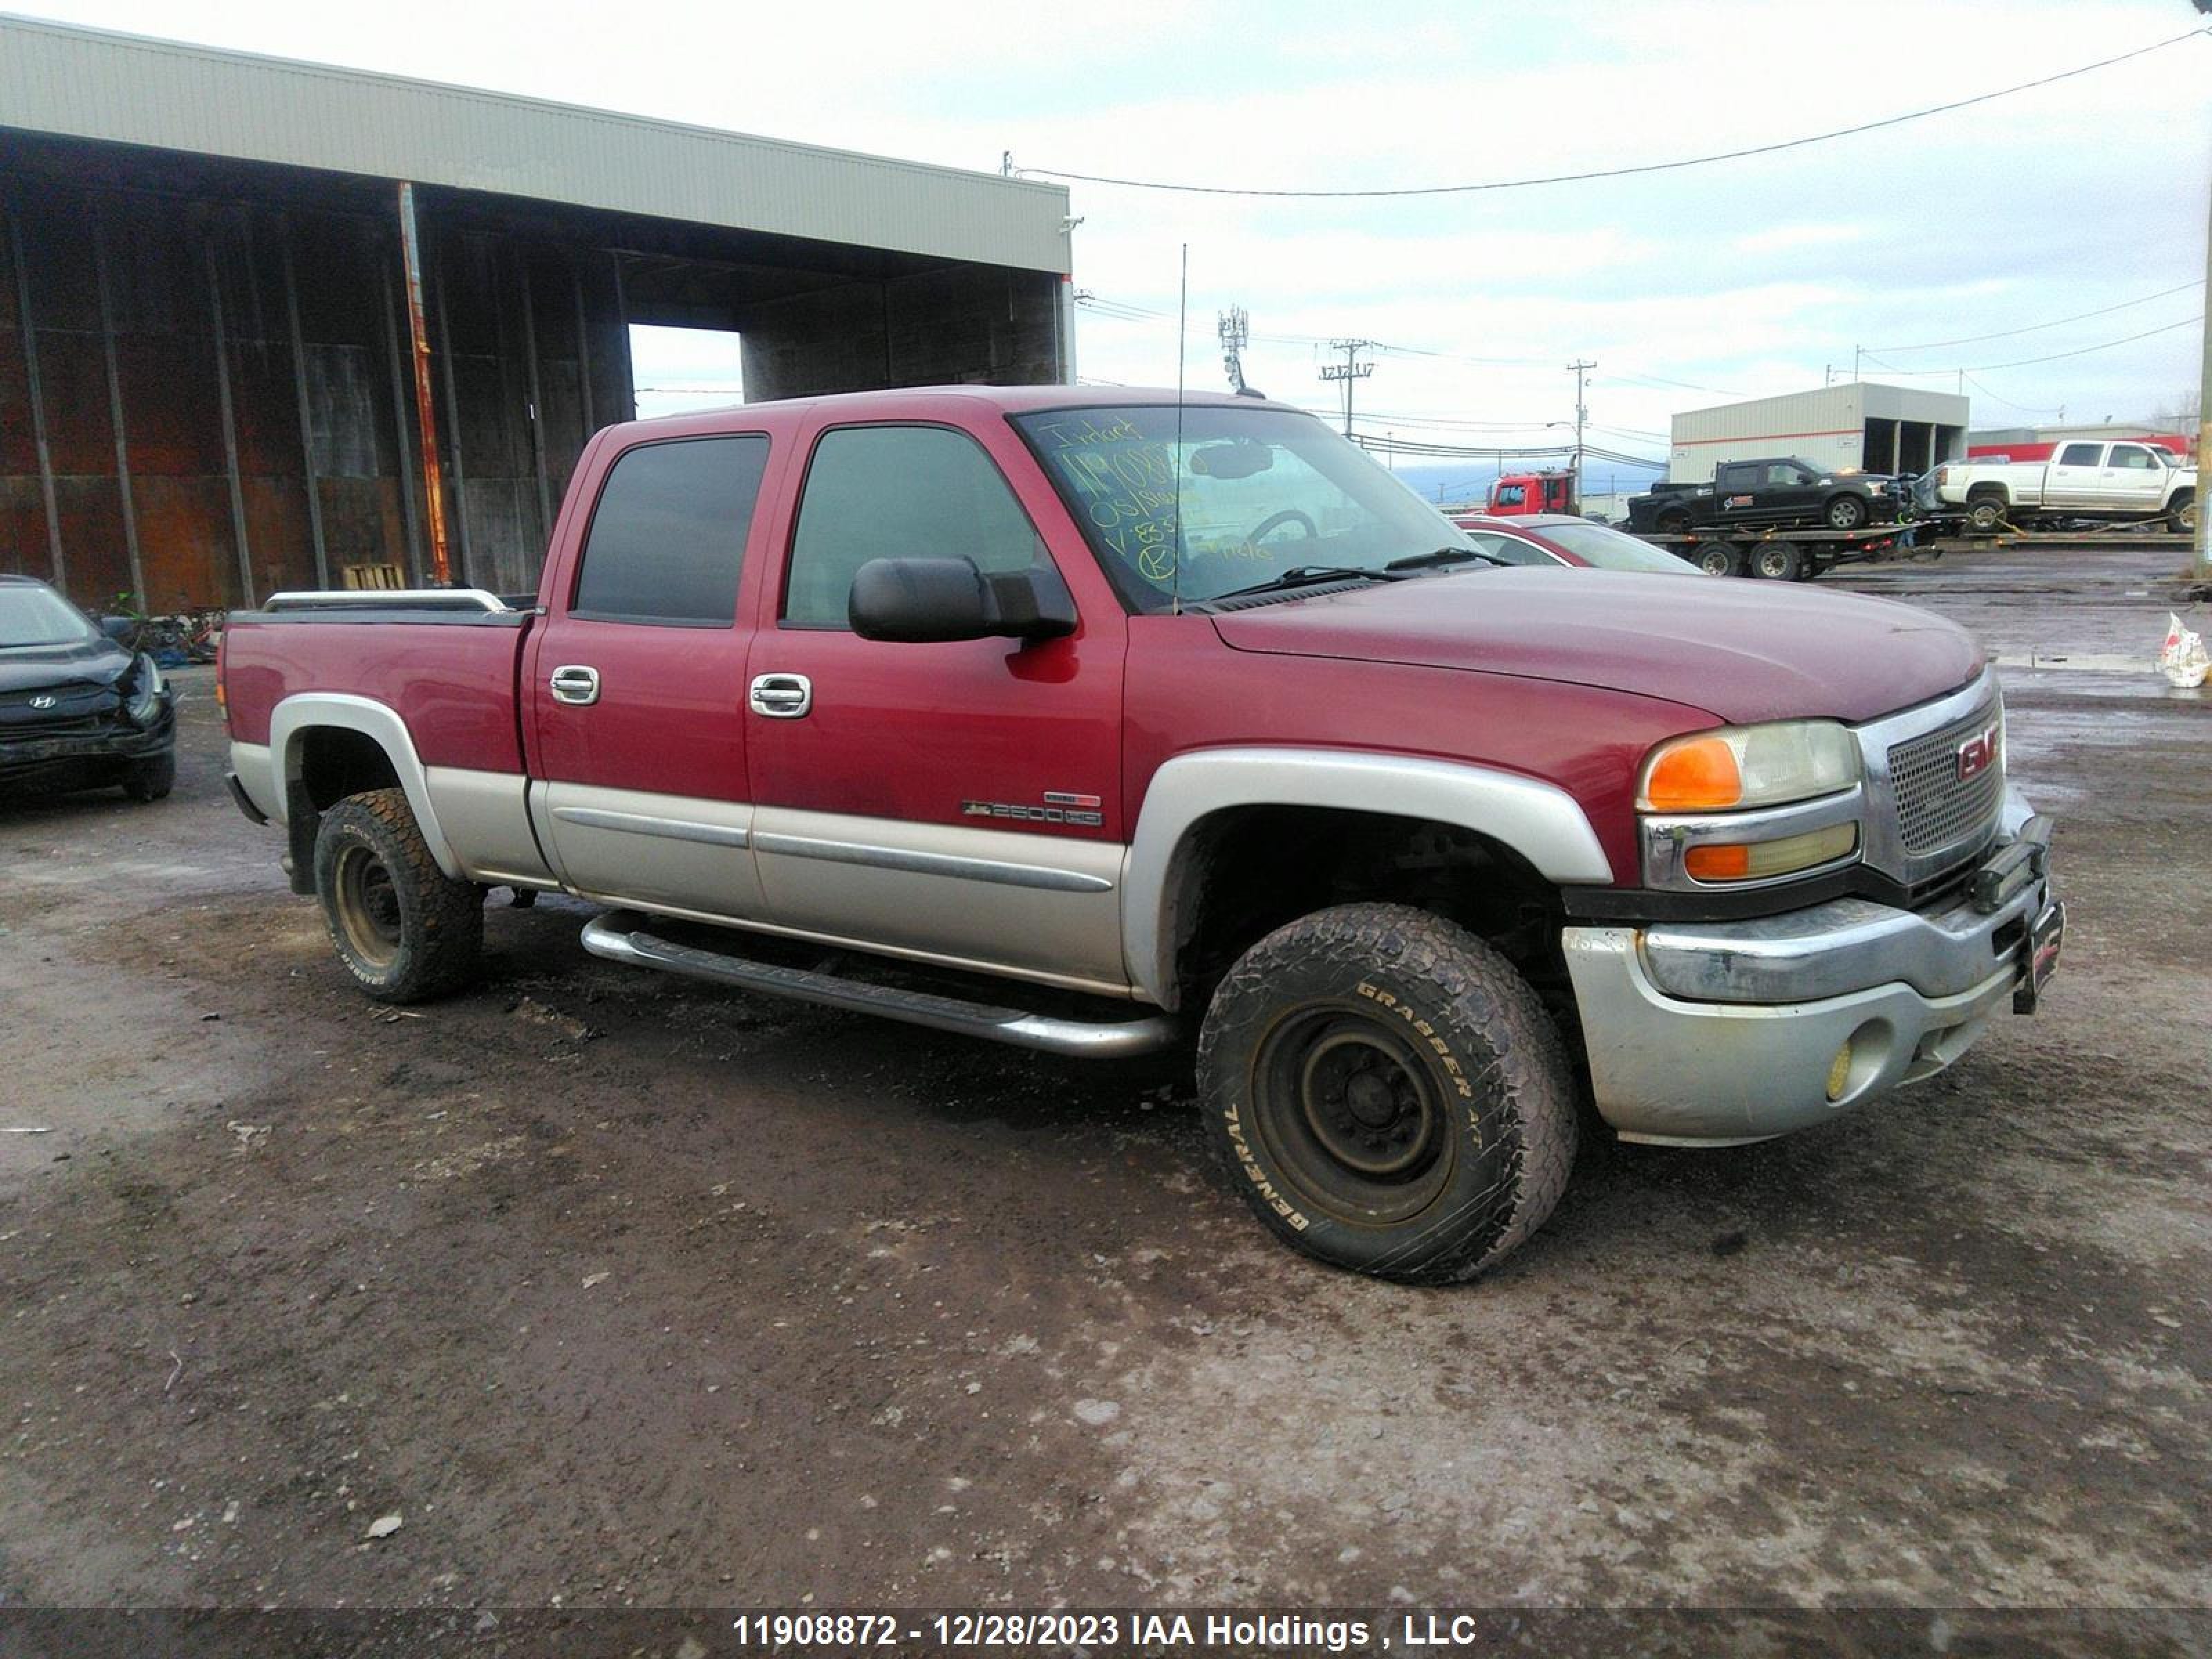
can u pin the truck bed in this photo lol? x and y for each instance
(447, 662)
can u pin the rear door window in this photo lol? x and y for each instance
(2078, 455)
(667, 539)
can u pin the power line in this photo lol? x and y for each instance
(2006, 334)
(2022, 362)
(1625, 172)
(2024, 409)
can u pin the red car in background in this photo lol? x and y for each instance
(1559, 538)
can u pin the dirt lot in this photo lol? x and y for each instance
(623, 1290)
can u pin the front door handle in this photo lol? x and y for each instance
(572, 683)
(782, 696)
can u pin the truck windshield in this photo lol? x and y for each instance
(39, 616)
(1247, 495)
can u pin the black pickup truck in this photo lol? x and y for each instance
(1770, 492)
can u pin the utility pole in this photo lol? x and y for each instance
(1349, 370)
(1580, 370)
(2200, 564)
(1235, 329)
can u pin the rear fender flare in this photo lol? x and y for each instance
(1540, 821)
(291, 720)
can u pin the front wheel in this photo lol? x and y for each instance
(151, 779)
(405, 929)
(2181, 520)
(1388, 1093)
(1847, 513)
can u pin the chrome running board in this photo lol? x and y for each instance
(619, 936)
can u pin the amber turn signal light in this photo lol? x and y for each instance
(1700, 775)
(1718, 863)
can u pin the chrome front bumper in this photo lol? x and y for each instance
(1714, 1034)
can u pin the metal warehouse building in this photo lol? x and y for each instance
(269, 325)
(1882, 429)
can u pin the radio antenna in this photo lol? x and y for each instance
(1182, 317)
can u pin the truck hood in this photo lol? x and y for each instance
(1743, 650)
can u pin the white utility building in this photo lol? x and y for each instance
(1860, 423)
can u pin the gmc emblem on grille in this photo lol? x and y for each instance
(1978, 754)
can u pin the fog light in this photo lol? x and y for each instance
(1742, 861)
(1840, 1072)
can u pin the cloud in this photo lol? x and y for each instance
(1760, 275)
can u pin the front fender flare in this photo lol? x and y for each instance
(296, 716)
(1540, 821)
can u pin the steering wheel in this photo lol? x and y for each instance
(1276, 521)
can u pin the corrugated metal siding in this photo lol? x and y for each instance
(1823, 426)
(90, 83)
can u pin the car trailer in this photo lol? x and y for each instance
(1785, 554)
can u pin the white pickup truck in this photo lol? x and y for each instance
(2087, 479)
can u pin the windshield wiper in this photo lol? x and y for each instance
(1444, 555)
(1304, 575)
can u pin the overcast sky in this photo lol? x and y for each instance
(1686, 287)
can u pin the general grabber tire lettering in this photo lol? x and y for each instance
(1388, 1093)
(405, 929)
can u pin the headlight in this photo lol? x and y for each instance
(1748, 765)
(152, 690)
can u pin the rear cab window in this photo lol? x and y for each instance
(666, 541)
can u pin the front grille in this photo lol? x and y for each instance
(1935, 808)
(75, 708)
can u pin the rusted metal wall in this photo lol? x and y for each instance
(207, 395)
(204, 401)
(958, 324)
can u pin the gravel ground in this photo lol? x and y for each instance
(621, 1291)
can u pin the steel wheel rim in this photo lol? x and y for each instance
(367, 906)
(1350, 1115)
(1713, 562)
(1773, 565)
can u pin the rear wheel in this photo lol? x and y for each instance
(1778, 561)
(1847, 513)
(1718, 558)
(1984, 514)
(1386, 1093)
(405, 929)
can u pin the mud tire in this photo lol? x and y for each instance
(406, 930)
(1484, 1098)
(1986, 515)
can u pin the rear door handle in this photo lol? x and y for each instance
(572, 683)
(782, 696)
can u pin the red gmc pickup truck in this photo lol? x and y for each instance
(1089, 719)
